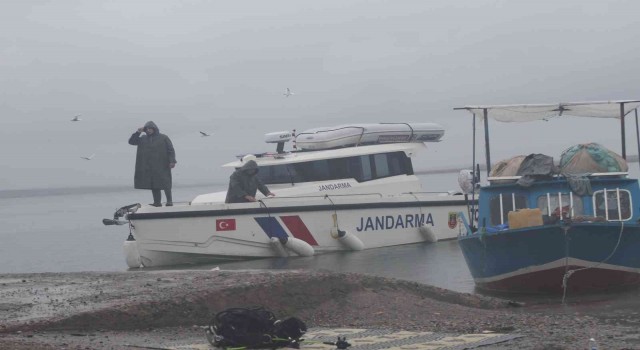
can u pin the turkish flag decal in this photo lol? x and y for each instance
(225, 224)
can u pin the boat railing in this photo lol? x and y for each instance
(517, 177)
(447, 193)
(324, 196)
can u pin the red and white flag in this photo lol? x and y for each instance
(225, 224)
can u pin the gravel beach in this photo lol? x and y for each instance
(94, 310)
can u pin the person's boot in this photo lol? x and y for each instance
(157, 198)
(167, 193)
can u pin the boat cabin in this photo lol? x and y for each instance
(362, 168)
(347, 159)
(610, 200)
(363, 152)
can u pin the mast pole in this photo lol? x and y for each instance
(471, 207)
(622, 131)
(486, 140)
(637, 135)
(473, 165)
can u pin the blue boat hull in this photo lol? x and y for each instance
(538, 259)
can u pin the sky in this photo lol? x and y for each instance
(222, 67)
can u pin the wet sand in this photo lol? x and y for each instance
(107, 310)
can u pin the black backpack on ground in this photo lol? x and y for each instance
(253, 328)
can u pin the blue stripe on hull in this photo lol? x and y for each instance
(272, 227)
(507, 254)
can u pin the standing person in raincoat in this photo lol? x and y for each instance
(154, 160)
(243, 184)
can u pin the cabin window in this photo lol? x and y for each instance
(277, 174)
(382, 165)
(613, 205)
(339, 168)
(365, 168)
(398, 164)
(360, 168)
(551, 203)
(503, 203)
(318, 170)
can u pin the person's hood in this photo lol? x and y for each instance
(152, 125)
(250, 165)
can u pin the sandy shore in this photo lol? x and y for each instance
(100, 310)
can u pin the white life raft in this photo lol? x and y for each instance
(367, 134)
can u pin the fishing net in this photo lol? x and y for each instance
(591, 158)
(507, 167)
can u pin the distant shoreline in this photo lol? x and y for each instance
(58, 191)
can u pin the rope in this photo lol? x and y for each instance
(568, 273)
(417, 200)
(131, 227)
(263, 205)
(334, 210)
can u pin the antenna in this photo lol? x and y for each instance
(278, 138)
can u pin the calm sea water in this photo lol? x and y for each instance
(62, 231)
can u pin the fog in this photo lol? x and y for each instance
(222, 68)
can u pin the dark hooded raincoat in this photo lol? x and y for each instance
(155, 153)
(243, 183)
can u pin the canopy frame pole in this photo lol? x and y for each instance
(622, 132)
(476, 178)
(473, 147)
(637, 135)
(486, 140)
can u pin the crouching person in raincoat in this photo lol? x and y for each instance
(243, 184)
(154, 160)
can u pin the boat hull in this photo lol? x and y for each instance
(583, 257)
(215, 232)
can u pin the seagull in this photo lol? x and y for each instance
(204, 134)
(76, 118)
(89, 157)
(288, 93)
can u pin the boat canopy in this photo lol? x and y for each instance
(617, 109)
(531, 112)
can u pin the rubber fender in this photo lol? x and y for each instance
(131, 254)
(299, 246)
(350, 240)
(428, 234)
(277, 247)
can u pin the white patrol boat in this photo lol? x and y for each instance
(350, 187)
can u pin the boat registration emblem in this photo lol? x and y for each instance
(453, 220)
(225, 224)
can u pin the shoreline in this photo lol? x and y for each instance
(134, 302)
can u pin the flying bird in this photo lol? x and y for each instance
(288, 92)
(76, 118)
(204, 134)
(89, 157)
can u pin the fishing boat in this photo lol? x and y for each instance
(543, 227)
(343, 188)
